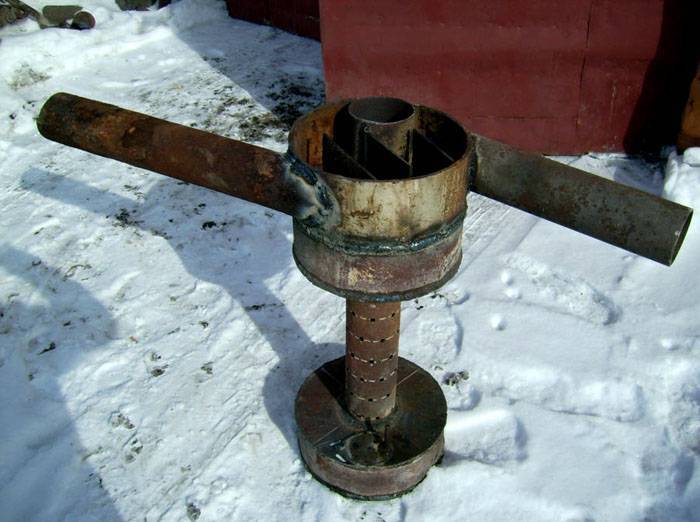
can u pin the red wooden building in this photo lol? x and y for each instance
(544, 75)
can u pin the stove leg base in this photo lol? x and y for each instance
(370, 460)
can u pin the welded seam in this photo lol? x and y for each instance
(406, 378)
(317, 205)
(379, 247)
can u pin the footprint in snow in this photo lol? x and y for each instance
(684, 406)
(562, 292)
(664, 472)
(493, 437)
(510, 290)
(497, 322)
(462, 397)
(614, 398)
(438, 335)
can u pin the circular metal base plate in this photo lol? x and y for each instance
(370, 460)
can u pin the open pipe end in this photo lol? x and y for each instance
(680, 237)
(381, 110)
(48, 114)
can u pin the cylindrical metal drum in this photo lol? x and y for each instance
(400, 227)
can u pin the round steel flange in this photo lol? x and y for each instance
(368, 459)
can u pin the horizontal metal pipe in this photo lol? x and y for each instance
(245, 171)
(623, 216)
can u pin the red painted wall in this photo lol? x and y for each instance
(296, 16)
(550, 76)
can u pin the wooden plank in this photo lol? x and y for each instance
(690, 128)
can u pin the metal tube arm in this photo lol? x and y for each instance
(617, 214)
(259, 175)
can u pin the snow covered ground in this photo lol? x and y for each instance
(153, 334)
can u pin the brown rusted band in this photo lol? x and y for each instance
(371, 359)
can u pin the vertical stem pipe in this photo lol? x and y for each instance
(371, 358)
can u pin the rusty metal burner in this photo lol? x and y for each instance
(377, 190)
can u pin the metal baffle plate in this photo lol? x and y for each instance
(370, 460)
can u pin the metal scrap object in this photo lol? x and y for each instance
(63, 16)
(377, 189)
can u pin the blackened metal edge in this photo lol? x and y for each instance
(379, 247)
(438, 448)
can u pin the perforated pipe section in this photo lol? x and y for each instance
(372, 358)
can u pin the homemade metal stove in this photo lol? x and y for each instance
(377, 189)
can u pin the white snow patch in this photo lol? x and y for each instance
(491, 437)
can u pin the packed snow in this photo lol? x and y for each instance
(153, 334)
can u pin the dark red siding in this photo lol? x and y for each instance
(296, 16)
(545, 75)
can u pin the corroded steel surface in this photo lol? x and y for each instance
(390, 208)
(623, 216)
(365, 459)
(400, 209)
(371, 358)
(229, 166)
(387, 277)
(399, 234)
(377, 189)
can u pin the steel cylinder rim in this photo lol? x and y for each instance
(678, 243)
(359, 104)
(464, 157)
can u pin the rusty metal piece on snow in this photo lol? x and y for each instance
(399, 174)
(377, 189)
(370, 459)
(63, 16)
(235, 168)
(400, 227)
(623, 216)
